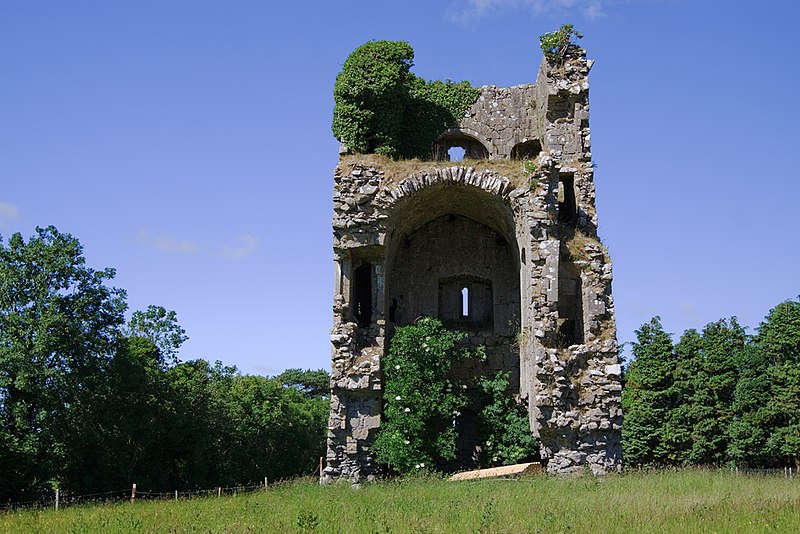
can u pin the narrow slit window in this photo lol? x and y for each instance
(362, 295)
(466, 303)
(567, 205)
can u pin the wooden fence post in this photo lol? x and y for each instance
(133, 493)
(219, 491)
(266, 483)
(176, 495)
(56, 499)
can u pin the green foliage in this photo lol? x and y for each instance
(381, 107)
(433, 107)
(370, 95)
(58, 323)
(554, 45)
(503, 425)
(716, 397)
(704, 382)
(766, 425)
(88, 406)
(422, 403)
(161, 327)
(307, 521)
(678, 400)
(314, 384)
(648, 395)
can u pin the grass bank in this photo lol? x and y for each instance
(678, 501)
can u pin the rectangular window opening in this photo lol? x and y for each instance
(567, 203)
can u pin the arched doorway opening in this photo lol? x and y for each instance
(452, 253)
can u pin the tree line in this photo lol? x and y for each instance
(717, 397)
(90, 403)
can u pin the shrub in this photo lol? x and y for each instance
(554, 45)
(503, 424)
(422, 402)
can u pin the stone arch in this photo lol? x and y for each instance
(474, 147)
(526, 150)
(487, 181)
(447, 233)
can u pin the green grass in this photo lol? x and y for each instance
(678, 501)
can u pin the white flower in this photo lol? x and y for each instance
(397, 366)
(406, 441)
(417, 466)
(407, 410)
(397, 397)
(422, 465)
(463, 386)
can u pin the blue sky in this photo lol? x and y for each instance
(188, 145)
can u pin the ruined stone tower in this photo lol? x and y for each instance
(505, 248)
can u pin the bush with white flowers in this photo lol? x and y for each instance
(421, 400)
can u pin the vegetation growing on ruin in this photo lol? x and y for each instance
(383, 108)
(574, 243)
(554, 45)
(520, 173)
(423, 404)
(503, 424)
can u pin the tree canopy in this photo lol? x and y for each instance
(89, 404)
(717, 396)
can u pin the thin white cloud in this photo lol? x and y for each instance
(8, 213)
(167, 243)
(245, 246)
(242, 247)
(690, 311)
(471, 11)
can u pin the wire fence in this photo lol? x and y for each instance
(785, 472)
(61, 498)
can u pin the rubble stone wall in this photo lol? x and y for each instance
(547, 275)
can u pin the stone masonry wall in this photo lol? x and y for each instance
(561, 273)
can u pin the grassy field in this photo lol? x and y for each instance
(681, 501)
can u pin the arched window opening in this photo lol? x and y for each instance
(527, 150)
(457, 146)
(455, 153)
(362, 294)
(567, 205)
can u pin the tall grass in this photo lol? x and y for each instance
(676, 501)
